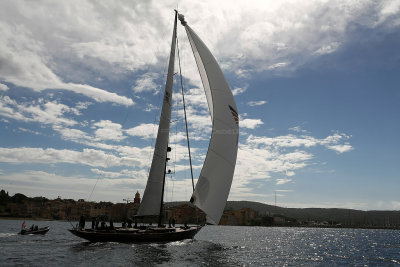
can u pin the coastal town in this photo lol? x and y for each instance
(235, 213)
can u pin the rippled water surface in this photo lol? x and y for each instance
(212, 246)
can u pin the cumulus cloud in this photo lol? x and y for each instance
(250, 123)
(144, 130)
(50, 112)
(108, 130)
(340, 148)
(3, 87)
(74, 135)
(337, 141)
(25, 62)
(261, 157)
(146, 83)
(89, 157)
(239, 90)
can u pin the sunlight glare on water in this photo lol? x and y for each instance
(212, 246)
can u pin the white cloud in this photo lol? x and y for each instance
(250, 123)
(146, 83)
(389, 9)
(89, 157)
(3, 87)
(283, 181)
(278, 65)
(108, 130)
(332, 142)
(144, 130)
(261, 158)
(25, 63)
(239, 90)
(341, 148)
(43, 112)
(74, 135)
(298, 129)
(256, 103)
(28, 131)
(327, 49)
(76, 187)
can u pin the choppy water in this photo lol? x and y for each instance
(212, 246)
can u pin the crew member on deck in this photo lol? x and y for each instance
(82, 222)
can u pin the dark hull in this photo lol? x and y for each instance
(40, 231)
(137, 236)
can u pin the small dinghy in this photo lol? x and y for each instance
(34, 231)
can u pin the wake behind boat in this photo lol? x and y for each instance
(214, 183)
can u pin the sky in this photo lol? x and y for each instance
(316, 84)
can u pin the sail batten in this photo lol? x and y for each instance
(213, 186)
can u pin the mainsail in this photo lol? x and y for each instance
(215, 179)
(153, 194)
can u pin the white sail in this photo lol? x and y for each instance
(215, 179)
(153, 194)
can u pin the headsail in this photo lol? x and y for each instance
(152, 197)
(215, 179)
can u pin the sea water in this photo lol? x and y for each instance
(212, 246)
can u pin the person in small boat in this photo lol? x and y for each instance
(36, 227)
(173, 222)
(32, 227)
(111, 225)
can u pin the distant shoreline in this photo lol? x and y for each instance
(272, 226)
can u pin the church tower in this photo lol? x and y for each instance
(137, 198)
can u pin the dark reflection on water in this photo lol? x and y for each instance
(213, 246)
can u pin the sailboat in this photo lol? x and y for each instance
(212, 189)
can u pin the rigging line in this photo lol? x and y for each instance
(176, 111)
(184, 111)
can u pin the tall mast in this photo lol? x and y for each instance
(171, 68)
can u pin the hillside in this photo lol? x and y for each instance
(342, 216)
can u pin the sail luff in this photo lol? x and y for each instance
(153, 194)
(215, 179)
